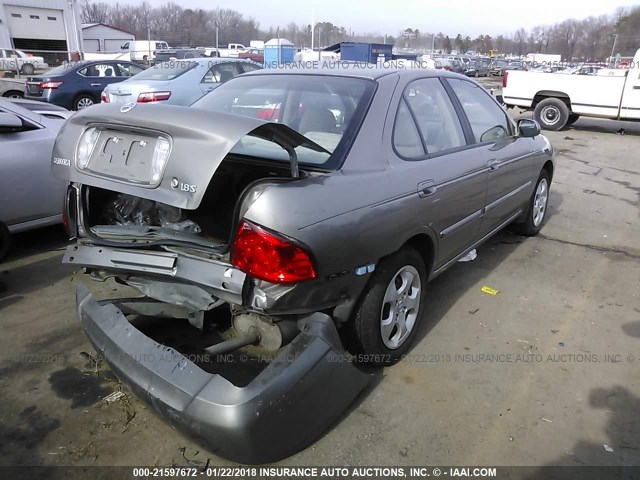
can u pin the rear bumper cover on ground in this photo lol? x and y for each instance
(283, 410)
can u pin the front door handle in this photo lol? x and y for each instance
(96, 84)
(493, 165)
(426, 188)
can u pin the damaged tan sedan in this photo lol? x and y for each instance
(314, 207)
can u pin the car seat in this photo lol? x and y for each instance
(316, 118)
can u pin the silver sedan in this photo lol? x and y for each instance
(177, 82)
(30, 197)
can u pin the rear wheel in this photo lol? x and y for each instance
(551, 114)
(27, 69)
(83, 101)
(5, 241)
(388, 316)
(13, 94)
(537, 210)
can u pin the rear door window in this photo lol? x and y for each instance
(129, 69)
(220, 73)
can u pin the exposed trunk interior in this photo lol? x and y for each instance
(213, 220)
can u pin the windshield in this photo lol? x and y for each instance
(166, 70)
(327, 110)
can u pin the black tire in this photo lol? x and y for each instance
(13, 94)
(529, 227)
(551, 114)
(27, 69)
(81, 101)
(5, 241)
(573, 118)
(367, 337)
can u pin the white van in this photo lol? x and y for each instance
(143, 50)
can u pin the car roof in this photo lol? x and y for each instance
(353, 70)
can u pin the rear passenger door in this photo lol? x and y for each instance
(450, 181)
(511, 173)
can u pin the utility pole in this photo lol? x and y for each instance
(313, 26)
(615, 39)
(433, 43)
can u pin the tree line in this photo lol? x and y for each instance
(589, 39)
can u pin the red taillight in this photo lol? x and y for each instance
(269, 113)
(49, 85)
(270, 257)
(104, 98)
(504, 78)
(148, 97)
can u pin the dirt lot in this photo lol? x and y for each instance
(563, 337)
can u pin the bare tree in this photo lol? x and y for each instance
(94, 12)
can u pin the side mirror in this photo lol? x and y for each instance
(9, 122)
(528, 128)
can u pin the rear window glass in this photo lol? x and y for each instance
(327, 110)
(166, 70)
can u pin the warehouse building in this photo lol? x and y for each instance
(98, 37)
(43, 27)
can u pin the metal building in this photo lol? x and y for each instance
(42, 27)
(98, 37)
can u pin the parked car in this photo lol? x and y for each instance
(322, 222)
(18, 61)
(560, 100)
(178, 82)
(48, 110)
(498, 67)
(254, 54)
(11, 88)
(177, 54)
(477, 68)
(451, 65)
(516, 65)
(78, 85)
(31, 196)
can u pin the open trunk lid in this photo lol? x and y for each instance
(183, 146)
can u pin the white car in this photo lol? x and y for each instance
(18, 61)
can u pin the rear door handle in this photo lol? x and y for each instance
(96, 84)
(493, 165)
(426, 188)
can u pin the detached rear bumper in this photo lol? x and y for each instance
(282, 411)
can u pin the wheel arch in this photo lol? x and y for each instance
(8, 93)
(544, 94)
(84, 93)
(426, 248)
(548, 166)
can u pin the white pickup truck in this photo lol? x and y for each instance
(231, 50)
(559, 100)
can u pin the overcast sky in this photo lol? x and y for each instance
(492, 17)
